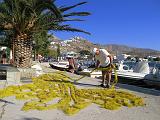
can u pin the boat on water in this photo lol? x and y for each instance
(138, 72)
(153, 78)
(141, 72)
(123, 71)
(61, 65)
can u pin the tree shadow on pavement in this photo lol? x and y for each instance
(29, 119)
(139, 89)
(5, 101)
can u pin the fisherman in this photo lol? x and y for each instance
(104, 60)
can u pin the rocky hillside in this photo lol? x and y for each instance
(78, 43)
(140, 52)
(75, 44)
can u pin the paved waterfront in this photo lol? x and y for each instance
(10, 108)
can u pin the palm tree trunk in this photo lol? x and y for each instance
(22, 51)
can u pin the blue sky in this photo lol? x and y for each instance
(134, 23)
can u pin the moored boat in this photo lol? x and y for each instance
(62, 65)
(123, 71)
(153, 78)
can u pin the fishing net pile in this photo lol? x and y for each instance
(57, 91)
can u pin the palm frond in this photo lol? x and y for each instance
(77, 14)
(63, 9)
(67, 28)
(43, 5)
(66, 20)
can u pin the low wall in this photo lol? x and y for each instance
(27, 72)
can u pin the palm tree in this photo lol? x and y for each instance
(23, 18)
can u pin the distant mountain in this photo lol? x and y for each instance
(77, 44)
(140, 52)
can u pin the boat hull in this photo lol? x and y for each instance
(152, 79)
(58, 67)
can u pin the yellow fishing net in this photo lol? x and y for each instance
(44, 90)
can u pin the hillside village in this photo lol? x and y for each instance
(75, 45)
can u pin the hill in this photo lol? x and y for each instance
(140, 52)
(77, 44)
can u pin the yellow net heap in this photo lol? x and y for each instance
(43, 92)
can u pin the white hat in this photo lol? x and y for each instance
(94, 50)
(104, 51)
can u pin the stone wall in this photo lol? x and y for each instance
(27, 72)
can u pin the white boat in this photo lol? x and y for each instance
(130, 75)
(61, 65)
(139, 72)
(153, 78)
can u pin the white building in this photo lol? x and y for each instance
(122, 57)
(52, 43)
(69, 54)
